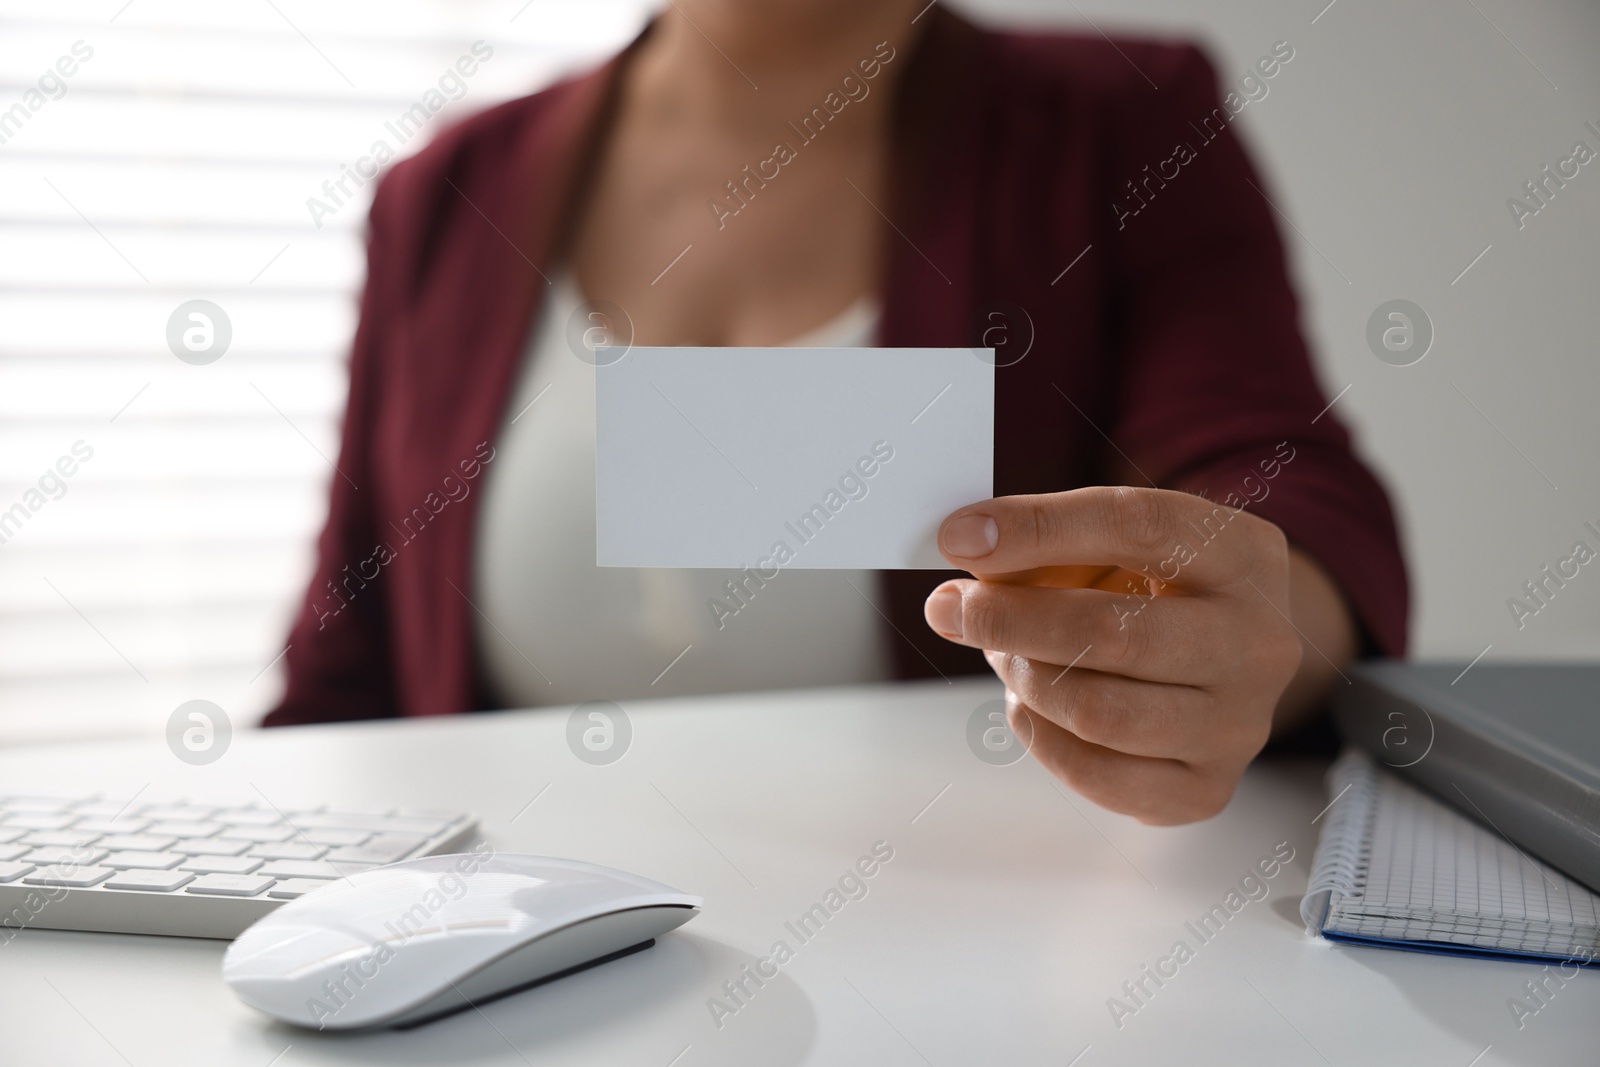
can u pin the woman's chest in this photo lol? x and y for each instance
(709, 240)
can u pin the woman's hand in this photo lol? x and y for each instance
(1143, 636)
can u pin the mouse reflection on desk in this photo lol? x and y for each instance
(406, 943)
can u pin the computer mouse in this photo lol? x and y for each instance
(411, 941)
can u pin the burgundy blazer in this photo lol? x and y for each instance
(1116, 224)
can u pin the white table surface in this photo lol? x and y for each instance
(1010, 912)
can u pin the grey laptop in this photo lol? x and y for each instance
(1514, 746)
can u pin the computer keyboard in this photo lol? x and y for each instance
(190, 869)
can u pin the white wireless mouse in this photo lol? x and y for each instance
(402, 944)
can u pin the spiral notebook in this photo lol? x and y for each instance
(1397, 868)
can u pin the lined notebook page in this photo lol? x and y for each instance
(1410, 868)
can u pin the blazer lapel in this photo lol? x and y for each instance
(469, 336)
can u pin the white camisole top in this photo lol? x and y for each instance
(553, 628)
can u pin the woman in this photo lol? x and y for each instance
(1182, 551)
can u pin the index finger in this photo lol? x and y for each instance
(1171, 536)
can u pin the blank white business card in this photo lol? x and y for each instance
(788, 457)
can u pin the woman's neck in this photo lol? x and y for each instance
(740, 62)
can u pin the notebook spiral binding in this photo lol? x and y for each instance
(1343, 850)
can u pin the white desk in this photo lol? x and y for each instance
(1008, 916)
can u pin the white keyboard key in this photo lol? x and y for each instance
(60, 838)
(222, 864)
(376, 851)
(148, 861)
(247, 817)
(100, 808)
(358, 809)
(137, 842)
(11, 833)
(256, 833)
(322, 821)
(106, 825)
(406, 841)
(335, 837)
(185, 829)
(290, 888)
(176, 813)
(434, 814)
(417, 827)
(228, 885)
(288, 850)
(10, 871)
(425, 827)
(210, 846)
(35, 821)
(73, 856)
(312, 869)
(360, 854)
(159, 881)
(72, 877)
(11, 852)
(420, 827)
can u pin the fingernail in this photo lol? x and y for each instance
(943, 611)
(970, 536)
